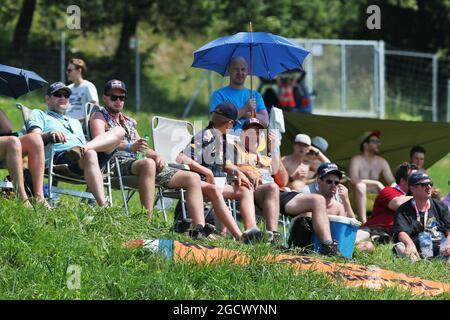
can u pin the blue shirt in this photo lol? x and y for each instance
(51, 121)
(238, 97)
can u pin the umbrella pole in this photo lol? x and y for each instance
(250, 29)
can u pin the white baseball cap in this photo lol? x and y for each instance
(303, 138)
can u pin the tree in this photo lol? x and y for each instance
(23, 26)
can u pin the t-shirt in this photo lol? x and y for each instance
(238, 97)
(82, 94)
(406, 219)
(208, 148)
(51, 121)
(382, 216)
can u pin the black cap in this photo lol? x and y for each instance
(114, 84)
(57, 86)
(252, 121)
(227, 110)
(418, 177)
(328, 167)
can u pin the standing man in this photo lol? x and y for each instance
(365, 170)
(83, 91)
(421, 214)
(240, 96)
(71, 148)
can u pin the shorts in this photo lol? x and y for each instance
(61, 158)
(285, 197)
(162, 178)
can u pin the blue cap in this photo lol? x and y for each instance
(57, 86)
(114, 84)
(328, 167)
(418, 177)
(227, 110)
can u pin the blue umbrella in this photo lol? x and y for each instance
(266, 54)
(15, 82)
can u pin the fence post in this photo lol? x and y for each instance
(62, 56)
(448, 100)
(381, 78)
(435, 88)
(138, 77)
(343, 78)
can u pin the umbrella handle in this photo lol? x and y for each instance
(250, 29)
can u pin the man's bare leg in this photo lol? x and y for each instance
(220, 209)
(314, 203)
(93, 176)
(194, 199)
(247, 204)
(33, 147)
(145, 171)
(267, 197)
(11, 151)
(360, 201)
(107, 141)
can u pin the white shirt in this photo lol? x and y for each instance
(82, 94)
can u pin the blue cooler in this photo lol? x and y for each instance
(343, 230)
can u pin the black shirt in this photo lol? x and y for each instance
(406, 219)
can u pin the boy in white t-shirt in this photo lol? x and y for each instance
(83, 91)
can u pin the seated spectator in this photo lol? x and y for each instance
(316, 157)
(417, 157)
(71, 148)
(379, 227)
(365, 170)
(13, 149)
(207, 155)
(153, 168)
(421, 215)
(83, 91)
(297, 163)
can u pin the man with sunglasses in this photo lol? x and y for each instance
(83, 91)
(421, 215)
(70, 146)
(153, 168)
(365, 170)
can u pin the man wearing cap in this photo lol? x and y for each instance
(208, 154)
(365, 170)
(297, 164)
(379, 226)
(70, 146)
(153, 168)
(241, 97)
(421, 214)
(83, 91)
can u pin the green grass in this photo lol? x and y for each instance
(36, 248)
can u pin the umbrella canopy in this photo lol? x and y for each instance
(15, 82)
(269, 55)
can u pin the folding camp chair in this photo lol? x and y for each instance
(61, 172)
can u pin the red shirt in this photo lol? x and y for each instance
(382, 216)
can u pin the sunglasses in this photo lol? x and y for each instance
(426, 184)
(114, 97)
(69, 70)
(375, 141)
(61, 94)
(335, 182)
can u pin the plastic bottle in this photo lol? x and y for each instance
(141, 154)
(444, 244)
(426, 245)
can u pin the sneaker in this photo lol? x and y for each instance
(252, 235)
(209, 229)
(182, 226)
(198, 232)
(329, 248)
(273, 237)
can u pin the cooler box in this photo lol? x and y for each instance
(343, 230)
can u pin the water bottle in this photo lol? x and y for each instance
(444, 244)
(426, 245)
(141, 154)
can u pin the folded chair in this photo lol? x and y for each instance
(61, 172)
